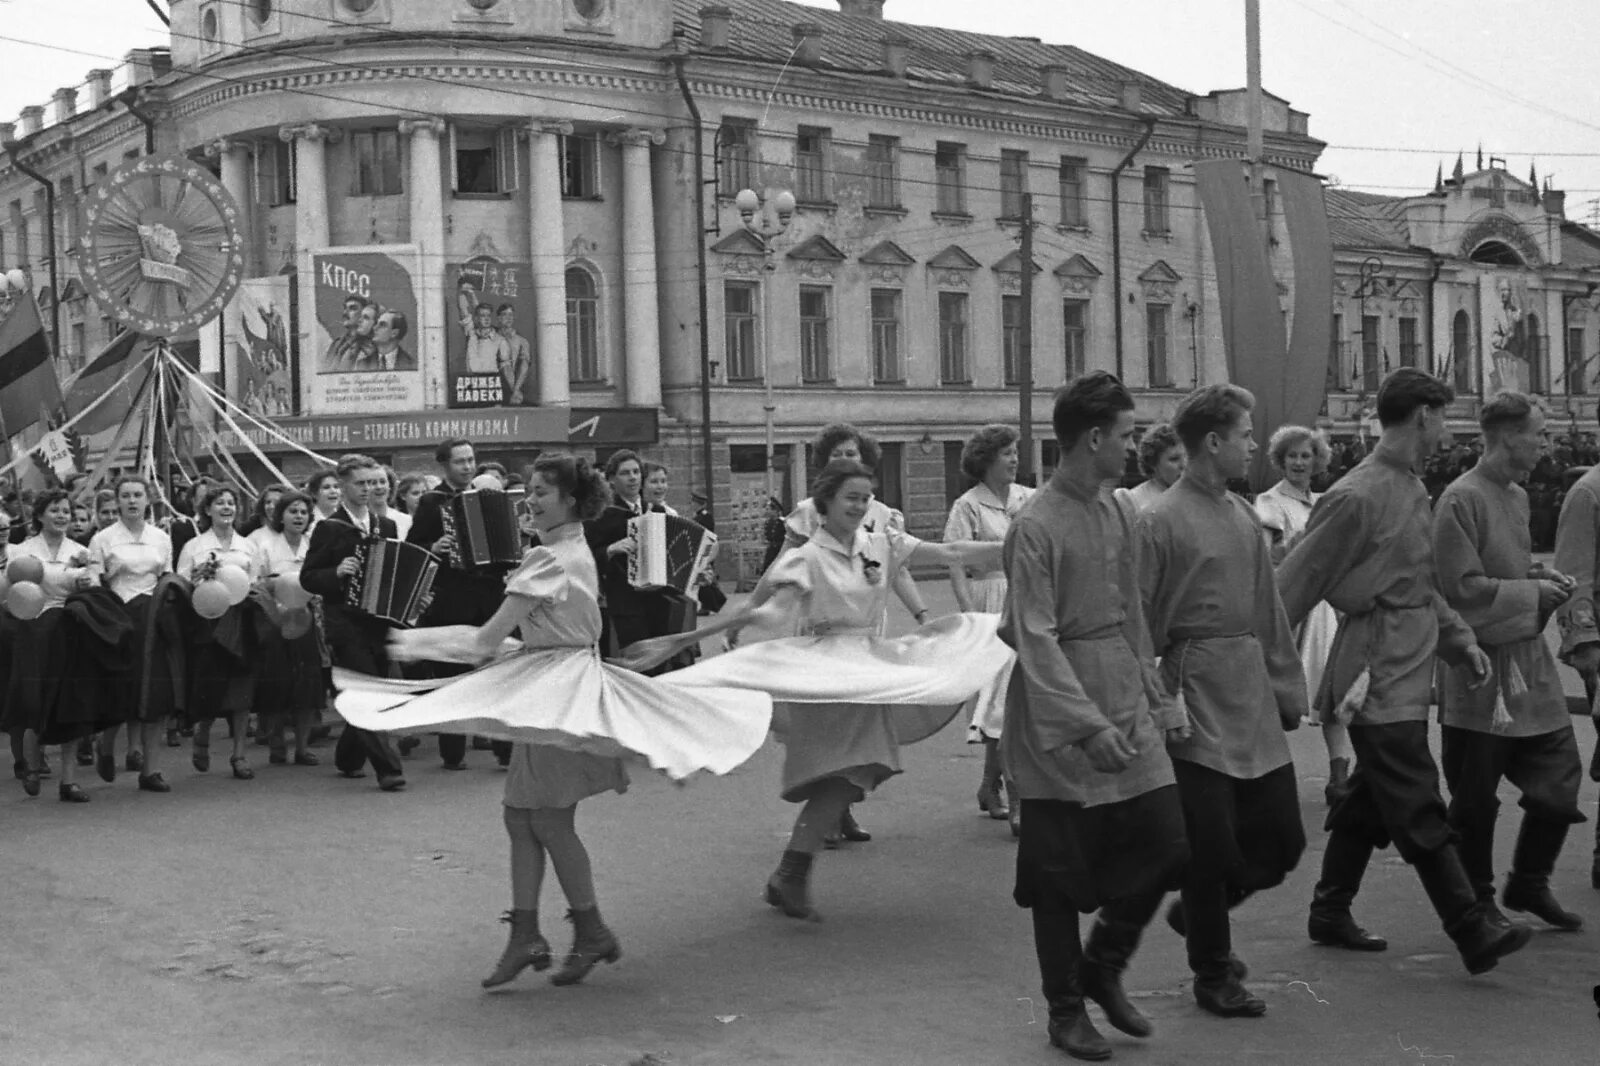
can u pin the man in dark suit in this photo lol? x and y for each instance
(357, 639)
(388, 330)
(461, 596)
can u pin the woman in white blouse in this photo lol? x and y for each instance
(33, 689)
(289, 683)
(384, 503)
(222, 652)
(129, 556)
(323, 488)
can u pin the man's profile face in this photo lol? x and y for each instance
(507, 319)
(352, 314)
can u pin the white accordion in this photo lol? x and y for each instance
(669, 552)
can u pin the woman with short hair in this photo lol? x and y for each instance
(1162, 459)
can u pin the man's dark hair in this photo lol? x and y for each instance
(503, 308)
(1209, 409)
(1507, 410)
(484, 307)
(620, 456)
(401, 326)
(1092, 401)
(1407, 389)
(442, 453)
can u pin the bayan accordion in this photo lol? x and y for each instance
(670, 551)
(395, 582)
(485, 527)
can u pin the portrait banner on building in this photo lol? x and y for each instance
(1508, 348)
(489, 314)
(363, 356)
(259, 370)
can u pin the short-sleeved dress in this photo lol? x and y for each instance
(37, 649)
(225, 652)
(978, 514)
(133, 565)
(1286, 510)
(573, 715)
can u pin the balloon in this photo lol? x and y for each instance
(25, 568)
(295, 623)
(25, 600)
(488, 481)
(286, 588)
(236, 581)
(211, 599)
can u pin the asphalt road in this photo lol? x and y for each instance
(304, 919)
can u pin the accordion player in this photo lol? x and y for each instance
(670, 552)
(484, 522)
(394, 582)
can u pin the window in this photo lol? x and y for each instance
(376, 158)
(19, 222)
(815, 362)
(950, 175)
(1074, 205)
(1577, 372)
(736, 151)
(1075, 329)
(583, 327)
(1461, 352)
(1408, 341)
(485, 160)
(1155, 200)
(953, 369)
(1158, 344)
(883, 171)
(275, 173)
(891, 467)
(80, 343)
(1533, 352)
(1338, 375)
(1371, 353)
(886, 366)
(108, 329)
(580, 167)
(811, 166)
(100, 170)
(69, 216)
(739, 330)
(132, 153)
(1013, 182)
(1011, 337)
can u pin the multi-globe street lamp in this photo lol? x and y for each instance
(756, 222)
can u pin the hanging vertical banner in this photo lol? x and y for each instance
(363, 352)
(259, 369)
(489, 311)
(1503, 312)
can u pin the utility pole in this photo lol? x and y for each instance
(1025, 349)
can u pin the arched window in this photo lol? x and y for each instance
(583, 327)
(1461, 353)
(1533, 351)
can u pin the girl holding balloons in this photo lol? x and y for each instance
(130, 556)
(289, 686)
(222, 564)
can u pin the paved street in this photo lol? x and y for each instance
(301, 918)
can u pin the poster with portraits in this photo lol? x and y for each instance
(489, 318)
(363, 357)
(1508, 323)
(259, 369)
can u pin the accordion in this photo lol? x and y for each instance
(671, 552)
(395, 582)
(484, 522)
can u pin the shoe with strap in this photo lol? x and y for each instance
(526, 947)
(592, 944)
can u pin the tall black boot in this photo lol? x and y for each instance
(1111, 944)
(1475, 847)
(1528, 885)
(1344, 863)
(1060, 953)
(1481, 942)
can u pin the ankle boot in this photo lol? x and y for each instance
(1071, 1030)
(1528, 886)
(990, 800)
(1338, 781)
(592, 944)
(525, 948)
(1344, 863)
(789, 887)
(1480, 940)
(1105, 958)
(850, 830)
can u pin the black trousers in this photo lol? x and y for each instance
(356, 643)
(1245, 835)
(1394, 792)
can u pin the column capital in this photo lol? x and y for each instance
(309, 131)
(638, 137)
(548, 127)
(223, 145)
(414, 126)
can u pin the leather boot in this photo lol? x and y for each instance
(592, 944)
(1056, 943)
(1226, 997)
(1105, 957)
(525, 948)
(1344, 863)
(990, 799)
(1528, 886)
(789, 888)
(1338, 781)
(1177, 922)
(851, 830)
(1480, 941)
(1475, 846)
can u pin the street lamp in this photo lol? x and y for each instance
(13, 283)
(749, 204)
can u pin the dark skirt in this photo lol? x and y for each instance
(36, 651)
(1073, 857)
(155, 689)
(223, 656)
(289, 682)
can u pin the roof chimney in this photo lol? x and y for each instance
(1132, 98)
(714, 27)
(99, 87)
(1054, 81)
(980, 70)
(65, 102)
(808, 43)
(865, 9)
(32, 120)
(896, 54)
(1555, 203)
(141, 67)
(8, 132)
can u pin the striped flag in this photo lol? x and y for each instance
(29, 391)
(101, 374)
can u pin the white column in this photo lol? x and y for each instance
(426, 187)
(234, 157)
(310, 231)
(547, 241)
(639, 272)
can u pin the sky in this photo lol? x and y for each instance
(1417, 80)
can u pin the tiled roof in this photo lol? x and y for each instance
(1364, 220)
(1580, 246)
(762, 30)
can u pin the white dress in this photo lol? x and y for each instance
(556, 691)
(978, 514)
(1287, 510)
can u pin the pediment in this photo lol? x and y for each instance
(1077, 267)
(740, 242)
(954, 257)
(1159, 273)
(886, 253)
(1012, 264)
(817, 249)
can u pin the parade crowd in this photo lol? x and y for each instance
(1130, 658)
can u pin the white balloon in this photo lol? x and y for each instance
(236, 581)
(17, 279)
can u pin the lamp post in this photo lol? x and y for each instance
(13, 283)
(755, 222)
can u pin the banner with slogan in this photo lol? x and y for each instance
(259, 369)
(363, 356)
(489, 311)
(1508, 352)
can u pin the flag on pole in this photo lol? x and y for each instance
(28, 384)
(102, 373)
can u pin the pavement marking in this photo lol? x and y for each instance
(1308, 988)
